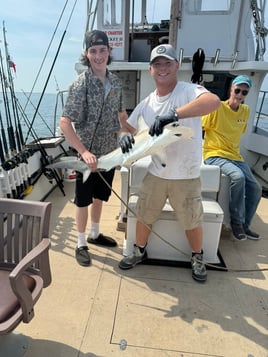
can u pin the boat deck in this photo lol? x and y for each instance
(149, 311)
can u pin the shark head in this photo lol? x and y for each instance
(178, 130)
(72, 163)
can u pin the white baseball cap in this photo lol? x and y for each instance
(163, 51)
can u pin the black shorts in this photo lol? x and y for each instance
(94, 187)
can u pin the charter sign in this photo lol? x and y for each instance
(116, 41)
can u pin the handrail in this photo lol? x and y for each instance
(59, 101)
(259, 111)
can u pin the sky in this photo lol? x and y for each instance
(30, 26)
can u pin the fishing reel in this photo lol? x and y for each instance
(10, 164)
(265, 166)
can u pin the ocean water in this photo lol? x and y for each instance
(34, 124)
(45, 121)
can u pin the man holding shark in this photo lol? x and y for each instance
(174, 173)
(95, 107)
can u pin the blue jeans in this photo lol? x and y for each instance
(245, 191)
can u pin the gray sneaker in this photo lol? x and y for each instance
(82, 256)
(238, 232)
(131, 260)
(199, 272)
(250, 234)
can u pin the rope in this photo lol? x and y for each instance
(216, 267)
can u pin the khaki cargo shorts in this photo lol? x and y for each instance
(184, 197)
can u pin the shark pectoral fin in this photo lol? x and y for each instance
(86, 174)
(163, 158)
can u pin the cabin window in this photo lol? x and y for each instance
(203, 6)
(112, 12)
(151, 11)
(215, 5)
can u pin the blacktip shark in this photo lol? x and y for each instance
(145, 145)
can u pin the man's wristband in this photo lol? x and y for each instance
(176, 114)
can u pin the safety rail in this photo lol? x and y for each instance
(262, 114)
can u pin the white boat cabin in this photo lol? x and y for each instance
(231, 34)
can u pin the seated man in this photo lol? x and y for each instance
(223, 130)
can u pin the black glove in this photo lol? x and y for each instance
(125, 141)
(162, 120)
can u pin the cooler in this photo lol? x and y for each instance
(177, 247)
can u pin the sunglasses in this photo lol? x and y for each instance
(238, 90)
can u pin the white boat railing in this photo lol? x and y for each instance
(261, 120)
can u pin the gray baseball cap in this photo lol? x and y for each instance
(166, 51)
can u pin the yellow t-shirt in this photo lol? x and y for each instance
(223, 129)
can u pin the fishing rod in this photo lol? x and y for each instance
(2, 156)
(46, 53)
(45, 160)
(22, 157)
(41, 148)
(49, 173)
(54, 61)
(4, 147)
(39, 114)
(17, 137)
(7, 109)
(9, 64)
(8, 186)
(9, 164)
(15, 161)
